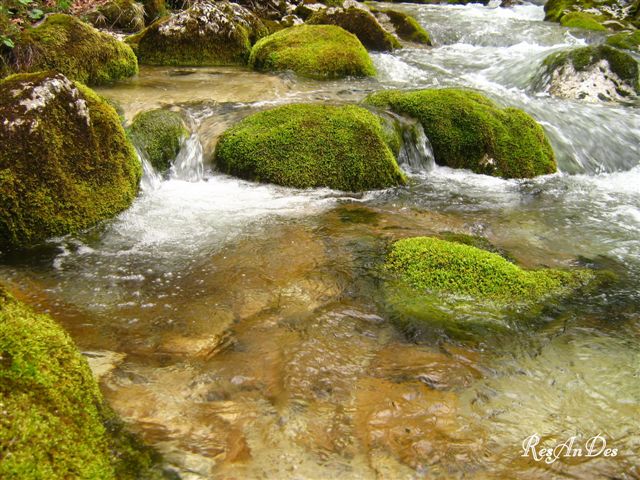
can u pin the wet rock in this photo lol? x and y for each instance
(591, 74)
(65, 161)
(103, 362)
(123, 15)
(403, 25)
(593, 15)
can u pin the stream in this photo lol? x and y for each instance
(239, 327)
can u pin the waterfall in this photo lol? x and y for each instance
(416, 154)
(188, 165)
(151, 179)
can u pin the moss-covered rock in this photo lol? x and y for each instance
(153, 10)
(123, 15)
(75, 49)
(54, 422)
(361, 23)
(307, 146)
(591, 14)
(207, 34)
(467, 130)
(316, 51)
(65, 161)
(158, 134)
(405, 26)
(581, 20)
(625, 40)
(589, 73)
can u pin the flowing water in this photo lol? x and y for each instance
(240, 328)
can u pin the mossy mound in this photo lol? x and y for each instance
(625, 40)
(467, 130)
(361, 23)
(207, 34)
(590, 73)
(54, 422)
(581, 20)
(406, 27)
(306, 146)
(124, 15)
(65, 161)
(75, 49)
(158, 134)
(315, 51)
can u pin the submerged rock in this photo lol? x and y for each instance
(159, 134)
(404, 26)
(207, 34)
(54, 421)
(123, 15)
(316, 51)
(65, 162)
(75, 49)
(467, 130)
(308, 146)
(590, 74)
(361, 23)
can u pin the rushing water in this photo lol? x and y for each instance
(238, 327)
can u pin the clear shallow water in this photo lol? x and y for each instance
(239, 326)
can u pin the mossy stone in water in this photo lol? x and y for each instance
(406, 27)
(467, 130)
(316, 51)
(54, 422)
(308, 146)
(159, 134)
(581, 20)
(65, 161)
(75, 49)
(361, 23)
(625, 40)
(207, 34)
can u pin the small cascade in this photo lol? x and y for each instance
(416, 154)
(151, 179)
(188, 165)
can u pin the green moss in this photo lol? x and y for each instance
(307, 146)
(54, 422)
(581, 20)
(361, 23)
(626, 40)
(124, 15)
(64, 165)
(153, 10)
(316, 51)
(159, 134)
(407, 28)
(207, 34)
(77, 50)
(467, 130)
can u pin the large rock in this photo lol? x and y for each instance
(207, 34)
(65, 162)
(75, 49)
(593, 14)
(307, 146)
(467, 130)
(316, 51)
(361, 23)
(123, 15)
(159, 135)
(54, 421)
(590, 74)
(403, 25)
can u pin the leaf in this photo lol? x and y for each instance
(8, 42)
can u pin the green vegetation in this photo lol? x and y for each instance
(581, 20)
(124, 15)
(316, 51)
(158, 133)
(407, 28)
(54, 422)
(65, 161)
(207, 34)
(592, 14)
(467, 130)
(75, 49)
(153, 10)
(361, 23)
(307, 146)
(626, 40)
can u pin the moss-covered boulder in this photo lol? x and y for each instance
(592, 73)
(206, 34)
(592, 14)
(404, 25)
(55, 423)
(582, 20)
(435, 283)
(625, 40)
(361, 23)
(75, 49)
(467, 130)
(124, 15)
(65, 161)
(159, 135)
(315, 51)
(308, 146)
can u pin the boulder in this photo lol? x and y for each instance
(207, 34)
(308, 146)
(65, 161)
(75, 49)
(467, 130)
(316, 51)
(403, 25)
(123, 15)
(608, 14)
(159, 135)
